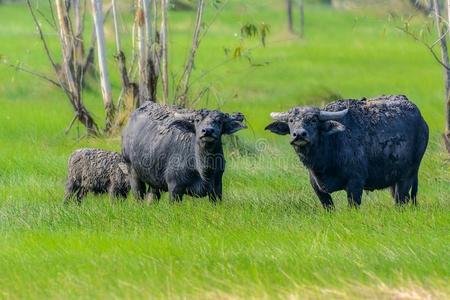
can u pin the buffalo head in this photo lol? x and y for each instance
(209, 125)
(306, 124)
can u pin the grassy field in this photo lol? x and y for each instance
(269, 238)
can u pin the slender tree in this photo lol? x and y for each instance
(97, 13)
(445, 62)
(289, 15)
(72, 87)
(447, 105)
(116, 26)
(152, 55)
(164, 52)
(301, 5)
(128, 89)
(144, 89)
(146, 5)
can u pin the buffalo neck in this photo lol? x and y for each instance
(208, 158)
(319, 156)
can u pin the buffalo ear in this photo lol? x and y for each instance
(184, 125)
(231, 127)
(278, 127)
(332, 127)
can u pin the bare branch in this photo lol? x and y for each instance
(49, 22)
(52, 12)
(440, 38)
(183, 86)
(430, 48)
(206, 29)
(75, 117)
(200, 95)
(41, 36)
(37, 74)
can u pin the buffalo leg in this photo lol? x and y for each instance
(414, 189)
(216, 195)
(354, 193)
(117, 193)
(175, 197)
(175, 193)
(402, 191)
(81, 193)
(324, 198)
(137, 186)
(71, 190)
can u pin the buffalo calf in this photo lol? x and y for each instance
(96, 171)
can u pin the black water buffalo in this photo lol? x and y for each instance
(358, 145)
(177, 150)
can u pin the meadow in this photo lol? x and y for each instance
(270, 238)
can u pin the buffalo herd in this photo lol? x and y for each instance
(351, 145)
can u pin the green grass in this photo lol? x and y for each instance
(269, 237)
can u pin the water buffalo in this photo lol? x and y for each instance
(358, 145)
(177, 150)
(96, 171)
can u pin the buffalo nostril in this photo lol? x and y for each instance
(203, 130)
(294, 134)
(304, 134)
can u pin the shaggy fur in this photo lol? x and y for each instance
(182, 155)
(378, 144)
(96, 171)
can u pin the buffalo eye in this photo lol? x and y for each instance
(291, 120)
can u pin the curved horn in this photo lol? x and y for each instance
(183, 116)
(237, 117)
(331, 115)
(279, 116)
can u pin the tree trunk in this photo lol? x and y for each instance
(67, 47)
(78, 43)
(148, 22)
(302, 18)
(164, 50)
(88, 65)
(120, 56)
(446, 62)
(289, 15)
(183, 88)
(447, 98)
(103, 67)
(152, 59)
(116, 26)
(144, 92)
